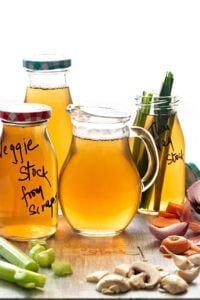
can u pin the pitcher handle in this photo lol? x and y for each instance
(152, 153)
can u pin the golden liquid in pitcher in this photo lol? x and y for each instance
(172, 188)
(59, 126)
(99, 187)
(28, 197)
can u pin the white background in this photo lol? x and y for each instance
(118, 49)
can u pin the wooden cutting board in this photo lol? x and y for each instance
(87, 255)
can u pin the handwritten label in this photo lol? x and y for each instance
(162, 140)
(173, 157)
(29, 171)
(34, 198)
(18, 151)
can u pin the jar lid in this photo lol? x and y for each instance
(45, 62)
(25, 113)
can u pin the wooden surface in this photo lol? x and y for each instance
(87, 255)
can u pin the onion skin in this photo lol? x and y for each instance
(175, 229)
(193, 196)
(193, 192)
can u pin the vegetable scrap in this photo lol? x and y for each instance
(176, 220)
(16, 256)
(22, 277)
(61, 268)
(21, 269)
(46, 258)
(175, 244)
(169, 222)
(164, 221)
(163, 232)
(145, 276)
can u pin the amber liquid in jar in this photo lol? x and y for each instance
(59, 126)
(108, 189)
(28, 194)
(173, 187)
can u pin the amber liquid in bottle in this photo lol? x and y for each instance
(99, 186)
(59, 126)
(28, 195)
(173, 185)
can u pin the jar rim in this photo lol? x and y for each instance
(45, 62)
(97, 114)
(25, 112)
(156, 102)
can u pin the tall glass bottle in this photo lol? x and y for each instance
(48, 84)
(28, 173)
(159, 116)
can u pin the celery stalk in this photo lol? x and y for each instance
(21, 277)
(138, 152)
(45, 258)
(40, 242)
(165, 118)
(16, 256)
(61, 268)
(35, 250)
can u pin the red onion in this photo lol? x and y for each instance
(195, 240)
(174, 229)
(193, 192)
(193, 195)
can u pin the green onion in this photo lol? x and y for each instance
(61, 268)
(16, 256)
(46, 258)
(21, 277)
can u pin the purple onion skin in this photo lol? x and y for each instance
(174, 229)
(193, 195)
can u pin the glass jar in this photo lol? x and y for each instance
(99, 185)
(48, 84)
(159, 116)
(28, 173)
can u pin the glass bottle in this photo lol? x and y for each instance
(159, 116)
(99, 185)
(28, 173)
(48, 84)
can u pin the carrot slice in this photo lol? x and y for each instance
(195, 248)
(163, 222)
(190, 252)
(167, 255)
(176, 244)
(174, 208)
(166, 214)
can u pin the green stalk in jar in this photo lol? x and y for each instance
(139, 153)
(164, 119)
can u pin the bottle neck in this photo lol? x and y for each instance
(47, 79)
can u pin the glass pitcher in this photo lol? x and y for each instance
(99, 185)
